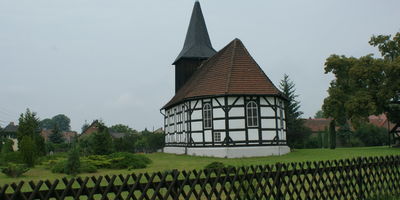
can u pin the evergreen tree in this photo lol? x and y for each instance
(73, 163)
(28, 150)
(296, 133)
(56, 136)
(29, 126)
(332, 134)
(101, 142)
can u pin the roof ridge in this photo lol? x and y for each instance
(228, 81)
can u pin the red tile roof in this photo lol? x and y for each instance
(231, 71)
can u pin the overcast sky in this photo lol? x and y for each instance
(111, 60)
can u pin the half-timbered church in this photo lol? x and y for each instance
(224, 104)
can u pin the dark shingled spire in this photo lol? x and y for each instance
(197, 42)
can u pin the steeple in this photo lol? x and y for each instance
(197, 43)
(196, 49)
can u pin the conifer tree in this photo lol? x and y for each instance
(28, 150)
(73, 163)
(56, 136)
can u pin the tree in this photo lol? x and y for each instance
(296, 133)
(120, 128)
(365, 86)
(6, 145)
(28, 150)
(101, 141)
(332, 134)
(73, 162)
(319, 114)
(29, 126)
(62, 121)
(56, 136)
(85, 126)
(46, 124)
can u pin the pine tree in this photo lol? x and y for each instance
(28, 150)
(296, 133)
(73, 163)
(29, 126)
(56, 136)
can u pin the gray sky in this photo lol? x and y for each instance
(111, 60)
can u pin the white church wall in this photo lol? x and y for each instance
(237, 135)
(253, 133)
(236, 112)
(238, 102)
(220, 99)
(196, 114)
(218, 113)
(268, 123)
(207, 136)
(236, 123)
(267, 112)
(219, 124)
(197, 126)
(197, 137)
(268, 135)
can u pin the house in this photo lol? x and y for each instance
(94, 127)
(10, 132)
(224, 104)
(67, 135)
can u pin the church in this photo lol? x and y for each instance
(224, 104)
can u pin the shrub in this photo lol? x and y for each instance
(99, 161)
(28, 151)
(355, 142)
(371, 135)
(58, 167)
(215, 165)
(73, 163)
(312, 142)
(122, 160)
(87, 168)
(15, 157)
(14, 170)
(7, 147)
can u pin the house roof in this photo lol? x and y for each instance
(11, 127)
(317, 124)
(232, 71)
(197, 43)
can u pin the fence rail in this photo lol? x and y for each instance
(358, 178)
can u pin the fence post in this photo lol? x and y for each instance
(360, 178)
(278, 181)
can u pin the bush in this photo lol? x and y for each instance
(14, 170)
(7, 147)
(312, 143)
(73, 163)
(28, 151)
(123, 160)
(371, 135)
(87, 168)
(14, 157)
(215, 165)
(58, 167)
(355, 142)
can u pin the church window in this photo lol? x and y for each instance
(252, 114)
(207, 115)
(217, 137)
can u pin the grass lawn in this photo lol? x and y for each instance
(162, 161)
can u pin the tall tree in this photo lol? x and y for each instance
(296, 133)
(46, 124)
(365, 86)
(319, 114)
(62, 121)
(101, 141)
(29, 127)
(28, 150)
(121, 128)
(56, 136)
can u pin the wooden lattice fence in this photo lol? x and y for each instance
(358, 178)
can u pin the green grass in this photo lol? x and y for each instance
(162, 162)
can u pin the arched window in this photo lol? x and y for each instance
(207, 115)
(252, 114)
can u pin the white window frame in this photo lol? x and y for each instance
(252, 114)
(207, 116)
(217, 136)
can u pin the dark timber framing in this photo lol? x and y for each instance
(222, 102)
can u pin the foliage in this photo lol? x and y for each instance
(29, 127)
(62, 147)
(371, 135)
(56, 136)
(14, 170)
(355, 142)
(28, 150)
(365, 86)
(120, 128)
(215, 165)
(332, 134)
(46, 124)
(85, 126)
(127, 143)
(7, 146)
(101, 143)
(296, 133)
(123, 160)
(73, 162)
(62, 122)
(344, 134)
(319, 114)
(15, 157)
(312, 143)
